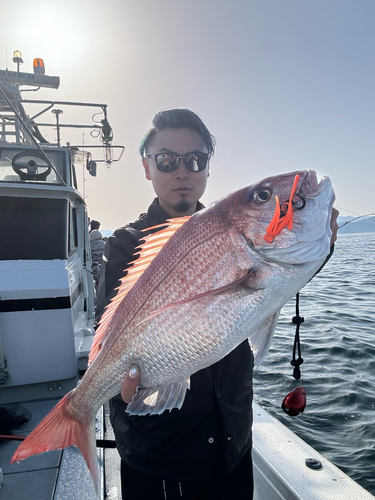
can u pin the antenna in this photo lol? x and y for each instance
(6, 60)
(83, 170)
(57, 112)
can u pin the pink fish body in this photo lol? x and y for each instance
(193, 295)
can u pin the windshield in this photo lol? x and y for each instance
(29, 165)
(34, 228)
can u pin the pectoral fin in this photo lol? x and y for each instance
(260, 340)
(155, 400)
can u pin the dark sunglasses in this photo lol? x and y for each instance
(168, 162)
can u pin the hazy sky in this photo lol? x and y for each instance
(282, 84)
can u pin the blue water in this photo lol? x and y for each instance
(338, 346)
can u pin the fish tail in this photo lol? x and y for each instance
(61, 429)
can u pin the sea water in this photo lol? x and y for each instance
(338, 348)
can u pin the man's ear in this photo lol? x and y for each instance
(147, 168)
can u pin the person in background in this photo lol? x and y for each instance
(97, 248)
(94, 225)
(202, 451)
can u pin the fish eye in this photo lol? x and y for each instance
(262, 195)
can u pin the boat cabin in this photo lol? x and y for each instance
(47, 293)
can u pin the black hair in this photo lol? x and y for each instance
(178, 118)
(94, 224)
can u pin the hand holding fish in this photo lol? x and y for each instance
(130, 384)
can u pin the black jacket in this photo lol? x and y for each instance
(213, 427)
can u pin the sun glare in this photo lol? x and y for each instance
(53, 35)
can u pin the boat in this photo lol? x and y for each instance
(47, 292)
(47, 307)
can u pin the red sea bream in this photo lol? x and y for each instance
(198, 289)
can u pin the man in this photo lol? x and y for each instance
(203, 450)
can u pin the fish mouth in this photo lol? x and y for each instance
(312, 187)
(310, 232)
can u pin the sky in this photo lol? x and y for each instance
(283, 85)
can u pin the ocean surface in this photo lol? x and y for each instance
(338, 348)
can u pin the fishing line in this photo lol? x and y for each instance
(271, 363)
(308, 299)
(297, 359)
(277, 379)
(274, 397)
(351, 211)
(355, 218)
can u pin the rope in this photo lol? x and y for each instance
(297, 320)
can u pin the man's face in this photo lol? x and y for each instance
(180, 190)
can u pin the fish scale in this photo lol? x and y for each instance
(199, 288)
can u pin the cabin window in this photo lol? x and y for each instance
(73, 239)
(28, 165)
(33, 228)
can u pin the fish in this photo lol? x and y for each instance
(295, 402)
(198, 287)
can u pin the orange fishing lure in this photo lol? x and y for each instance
(278, 223)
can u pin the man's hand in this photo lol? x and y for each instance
(334, 225)
(130, 384)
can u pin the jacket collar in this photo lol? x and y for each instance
(156, 214)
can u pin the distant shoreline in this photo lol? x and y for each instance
(357, 226)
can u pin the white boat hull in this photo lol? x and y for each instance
(280, 472)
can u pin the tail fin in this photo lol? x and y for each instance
(58, 430)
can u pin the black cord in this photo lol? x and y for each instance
(297, 320)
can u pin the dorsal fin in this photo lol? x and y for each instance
(146, 252)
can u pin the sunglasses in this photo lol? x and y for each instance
(168, 162)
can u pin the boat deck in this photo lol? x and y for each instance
(279, 458)
(55, 475)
